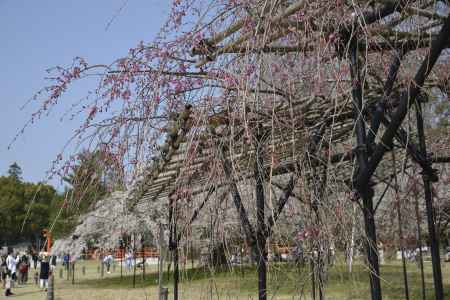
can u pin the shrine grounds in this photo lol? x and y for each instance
(286, 281)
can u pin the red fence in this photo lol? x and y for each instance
(120, 253)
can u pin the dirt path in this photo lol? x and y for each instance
(65, 290)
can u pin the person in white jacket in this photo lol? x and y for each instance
(11, 264)
(107, 261)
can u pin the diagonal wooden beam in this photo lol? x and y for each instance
(287, 192)
(381, 105)
(196, 212)
(406, 101)
(237, 200)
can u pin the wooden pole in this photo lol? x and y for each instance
(134, 260)
(164, 294)
(160, 261)
(400, 228)
(260, 216)
(121, 267)
(352, 240)
(364, 190)
(313, 276)
(173, 244)
(192, 252)
(73, 272)
(68, 269)
(176, 271)
(51, 288)
(102, 267)
(319, 190)
(143, 256)
(419, 244)
(427, 185)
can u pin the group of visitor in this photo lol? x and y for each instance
(108, 260)
(15, 267)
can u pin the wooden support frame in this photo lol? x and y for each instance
(367, 154)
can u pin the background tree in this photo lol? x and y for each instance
(88, 181)
(15, 171)
(25, 209)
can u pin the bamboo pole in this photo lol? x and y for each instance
(261, 238)
(134, 260)
(400, 228)
(160, 260)
(419, 244)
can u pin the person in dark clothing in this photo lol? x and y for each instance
(34, 257)
(3, 270)
(8, 284)
(66, 260)
(53, 261)
(24, 265)
(44, 273)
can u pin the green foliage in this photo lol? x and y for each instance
(25, 209)
(88, 182)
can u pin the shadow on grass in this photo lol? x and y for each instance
(151, 279)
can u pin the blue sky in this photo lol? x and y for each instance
(37, 35)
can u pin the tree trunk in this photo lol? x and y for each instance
(364, 190)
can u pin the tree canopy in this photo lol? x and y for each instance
(25, 208)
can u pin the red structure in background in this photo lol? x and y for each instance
(120, 253)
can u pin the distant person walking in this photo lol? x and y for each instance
(34, 257)
(23, 269)
(66, 260)
(128, 261)
(44, 272)
(3, 270)
(11, 263)
(8, 285)
(53, 262)
(107, 261)
(380, 247)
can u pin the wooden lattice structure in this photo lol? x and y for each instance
(349, 138)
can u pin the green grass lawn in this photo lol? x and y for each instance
(285, 281)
